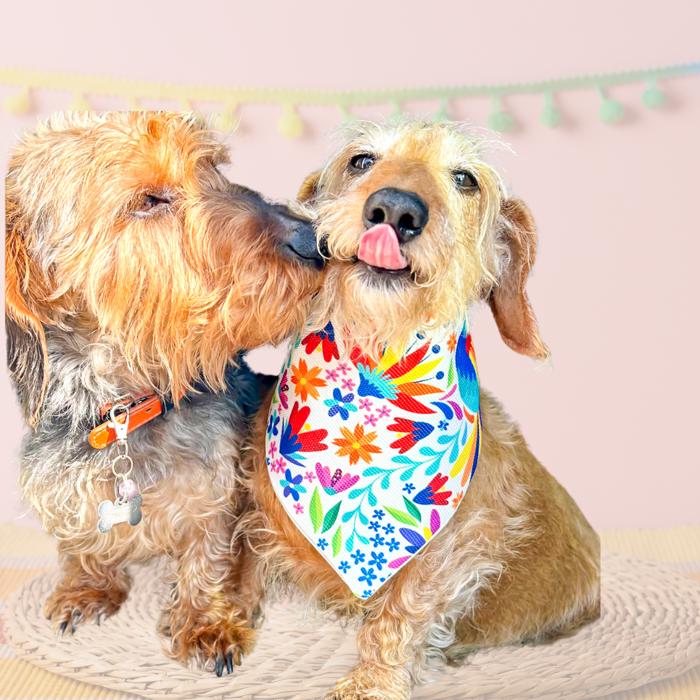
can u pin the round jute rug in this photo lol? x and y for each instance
(649, 630)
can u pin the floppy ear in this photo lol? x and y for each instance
(309, 188)
(508, 299)
(27, 355)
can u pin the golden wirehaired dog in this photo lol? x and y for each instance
(133, 266)
(517, 560)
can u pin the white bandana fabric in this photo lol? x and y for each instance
(371, 459)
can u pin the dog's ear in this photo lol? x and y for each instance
(309, 188)
(27, 355)
(517, 238)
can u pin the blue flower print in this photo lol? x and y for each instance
(393, 544)
(366, 593)
(377, 540)
(377, 560)
(409, 487)
(367, 575)
(389, 529)
(342, 405)
(358, 557)
(443, 424)
(374, 526)
(378, 514)
(272, 423)
(344, 567)
(322, 544)
(292, 485)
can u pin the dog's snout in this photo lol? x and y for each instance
(403, 210)
(298, 238)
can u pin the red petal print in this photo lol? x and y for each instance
(358, 358)
(330, 350)
(298, 417)
(311, 342)
(311, 441)
(403, 444)
(408, 403)
(442, 498)
(438, 482)
(405, 364)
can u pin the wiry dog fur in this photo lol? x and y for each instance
(134, 266)
(518, 561)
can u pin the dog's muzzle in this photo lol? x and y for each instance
(298, 239)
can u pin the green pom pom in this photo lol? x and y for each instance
(611, 111)
(290, 123)
(442, 115)
(347, 117)
(397, 113)
(500, 120)
(551, 116)
(653, 97)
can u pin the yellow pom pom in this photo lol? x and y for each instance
(227, 120)
(21, 103)
(290, 123)
(80, 104)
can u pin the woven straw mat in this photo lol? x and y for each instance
(649, 630)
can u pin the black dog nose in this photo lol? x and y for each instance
(405, 211)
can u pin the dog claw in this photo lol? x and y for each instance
(229, 662)
(219, 666)
(62, 627)
(75, 618)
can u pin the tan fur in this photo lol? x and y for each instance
(106, 299)
(518, 561)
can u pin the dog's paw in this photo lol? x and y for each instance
(214, 646)
(68, 607)
(373, 682)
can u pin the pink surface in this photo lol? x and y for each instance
(616, 285)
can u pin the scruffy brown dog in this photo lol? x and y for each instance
(134, 267)
(517, 561)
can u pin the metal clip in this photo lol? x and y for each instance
(120, 428)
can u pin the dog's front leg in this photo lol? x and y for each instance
(89, 589)
(202, 618)
(396, 623)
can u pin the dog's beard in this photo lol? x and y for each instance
(370, 309)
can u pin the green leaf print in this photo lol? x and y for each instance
(337, 542)
(401, 516)
(411, 508)
(316, 510)
(331, 517)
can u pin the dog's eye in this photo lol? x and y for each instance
(465, 180)
(151, 203)
(363, 161)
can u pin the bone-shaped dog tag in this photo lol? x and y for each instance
(112, 513)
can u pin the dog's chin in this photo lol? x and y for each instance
(383, 277)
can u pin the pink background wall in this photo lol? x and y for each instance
(616, 285)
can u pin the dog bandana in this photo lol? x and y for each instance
(371, 459)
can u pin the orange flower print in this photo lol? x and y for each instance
(306, 380)
(452, 342)
(457, 500)
(357, 445)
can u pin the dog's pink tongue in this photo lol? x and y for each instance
(379, 247)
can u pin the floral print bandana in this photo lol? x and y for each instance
(370, 459)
